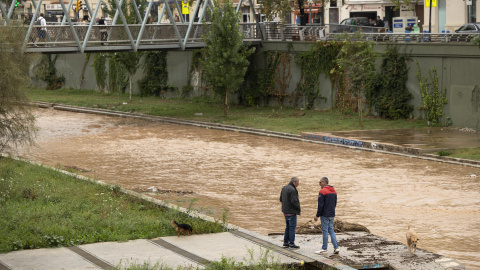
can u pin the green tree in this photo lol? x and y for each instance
(388, 92)
(356, 63)
(433, 99)
(130, 61)
(17, 123)
(225, 57)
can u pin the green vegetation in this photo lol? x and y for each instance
(264, 261)
(465, 153)
(17, 123)
(41, 207)
(444, 152)
(225, 56)
(388, 93)
(356, 64)
(433, 98)
(270, 118)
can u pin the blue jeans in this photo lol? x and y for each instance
(327, 228)
(289, 237)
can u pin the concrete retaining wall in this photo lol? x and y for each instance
(458, 68)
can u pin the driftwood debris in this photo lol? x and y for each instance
(339, 226)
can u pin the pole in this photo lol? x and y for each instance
(430, 19)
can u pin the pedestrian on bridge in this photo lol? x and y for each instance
(42, 32)
(327, 201)
(290, 208)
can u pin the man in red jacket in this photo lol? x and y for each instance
(327, 201)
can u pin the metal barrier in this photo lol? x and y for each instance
(411, 37)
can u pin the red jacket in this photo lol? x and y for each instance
(327, 201)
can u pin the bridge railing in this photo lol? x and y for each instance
(165, 35)
(411, 37)
(105, 35)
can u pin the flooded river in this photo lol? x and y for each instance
(243, 174)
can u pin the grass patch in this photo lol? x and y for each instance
(281, 119)
(41, 207)
(466, 153)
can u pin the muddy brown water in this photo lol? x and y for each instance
(243, 174)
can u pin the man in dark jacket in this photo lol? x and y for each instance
(327, 201)
(290, 208)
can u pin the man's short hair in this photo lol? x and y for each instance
(294, 179)
(41, 14)
(325, 179)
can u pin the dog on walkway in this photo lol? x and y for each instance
(412, 240)
(182, 228)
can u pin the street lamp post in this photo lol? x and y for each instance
(430, 19)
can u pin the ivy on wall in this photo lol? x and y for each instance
(117, 79)
(46, 71)
(388, 93)
(156, 74)
(433, 99)
(99, 62)
(320, 59)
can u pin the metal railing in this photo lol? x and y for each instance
(152, 35)
(60, 38)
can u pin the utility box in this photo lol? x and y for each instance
(400, 23)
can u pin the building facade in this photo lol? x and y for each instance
(447, 15)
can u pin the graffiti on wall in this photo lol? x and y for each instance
(335, 140)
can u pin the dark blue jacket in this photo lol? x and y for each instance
(327, 201)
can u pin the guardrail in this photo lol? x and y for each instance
(78, 37)
(118, 35)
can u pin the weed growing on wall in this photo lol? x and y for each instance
(388, 93)
(320, 59)
(356, 62)
(156, 74)
(99, 62)
(433, 99)
(46, 71)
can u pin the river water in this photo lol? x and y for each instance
(243, 174)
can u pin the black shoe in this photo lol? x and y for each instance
(286, 245)
(294, 246)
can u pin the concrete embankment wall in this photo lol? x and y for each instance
(457, 65)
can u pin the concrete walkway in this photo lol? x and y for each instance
(191, 252)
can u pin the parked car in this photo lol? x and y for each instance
(351, 25)
(469, 28)
(362, 21)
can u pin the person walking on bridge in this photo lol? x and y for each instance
(290, 208)
(327, 201)
(42, 32)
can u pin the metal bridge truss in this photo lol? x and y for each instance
(69, 37)
(73, 37)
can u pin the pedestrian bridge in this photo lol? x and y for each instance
(70, 36)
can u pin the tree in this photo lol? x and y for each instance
(283, 8)
(130, 61)
(17, 123)
(408, 3)
(388, 92)
(356, 62)
(225, 57)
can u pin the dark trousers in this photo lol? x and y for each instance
(289, 237)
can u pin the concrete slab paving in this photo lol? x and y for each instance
(44, 259)
(136, 252)
(214, 246)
